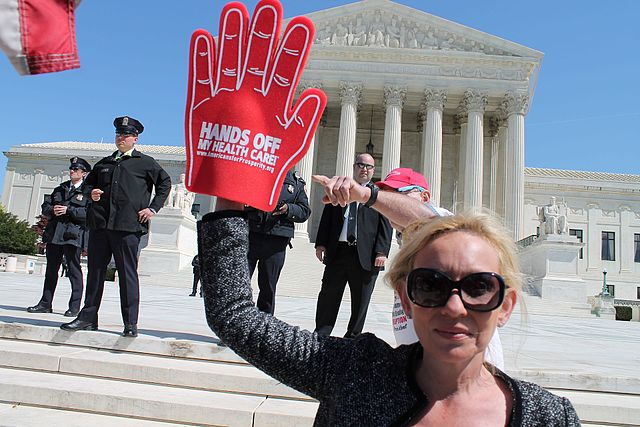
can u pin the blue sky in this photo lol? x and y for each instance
(134, 61)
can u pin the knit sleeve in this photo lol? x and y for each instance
(296, 357)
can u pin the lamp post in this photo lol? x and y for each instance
(605, 290)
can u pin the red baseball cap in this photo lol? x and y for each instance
(403, 177)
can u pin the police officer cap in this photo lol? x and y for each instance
(128, 125)
(80, 163)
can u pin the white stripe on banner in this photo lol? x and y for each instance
(10, 36)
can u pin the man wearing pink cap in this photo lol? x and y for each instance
(413, 184)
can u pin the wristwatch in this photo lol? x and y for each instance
(374, 195)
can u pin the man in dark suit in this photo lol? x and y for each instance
(119, 215)
(353, 242)
(66, 211)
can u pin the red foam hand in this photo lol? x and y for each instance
(242, 130)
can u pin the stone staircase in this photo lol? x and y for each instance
(51, 377)
(104, 379)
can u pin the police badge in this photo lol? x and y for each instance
(290, 188)
(79, 197)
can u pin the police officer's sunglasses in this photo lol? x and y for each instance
(76, 169)
(478, 291)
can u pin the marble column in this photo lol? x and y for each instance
(350, 94)
(502, 165)
(8, 186)
(515, 105)
(432, 141)
(461, 124)
(626, 239)
(35, 204)
(394, 97)
(493, 167)
(475, 103)
(594, 238)
(305, 165)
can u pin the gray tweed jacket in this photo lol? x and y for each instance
(361, 381)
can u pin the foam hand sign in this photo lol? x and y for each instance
(242, 130)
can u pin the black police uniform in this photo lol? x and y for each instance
(269, 236)
(65, 235)
(126, 182)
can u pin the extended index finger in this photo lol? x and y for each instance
(320, 179)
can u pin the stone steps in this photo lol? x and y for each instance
(149, 387)
(19, 415)
(93, 374)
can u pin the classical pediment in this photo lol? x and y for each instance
(383, 24)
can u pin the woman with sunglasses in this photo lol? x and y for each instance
(458, 279)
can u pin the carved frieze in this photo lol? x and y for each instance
(377, 28)
(576, 211)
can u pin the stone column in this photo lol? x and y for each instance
(461, 123)
(515, 105)
(502, 164)
(305, 165)
(626, 239)
(594, 238)
(475, 103)
(493, 169)
(8, 186)
(350, 94)
(432, 141)
(35, 204)
(394, 97)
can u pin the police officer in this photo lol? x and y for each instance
(269, 235)
(118, 217)
(66, 210)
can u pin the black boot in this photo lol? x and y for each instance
(79, 325)
(130, 331)
(39, 308)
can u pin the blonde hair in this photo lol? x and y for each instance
(420, 233)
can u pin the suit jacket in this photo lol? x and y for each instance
(67, 229)
(373, 234)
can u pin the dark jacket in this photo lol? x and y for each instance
(127, 186)
(294, 196)
(70, 228)
(373, 234)
(358, 382)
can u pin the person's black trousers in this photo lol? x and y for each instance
(344, 268)
(268, 252)
(54, 260)
(196, 279)
(123, 246)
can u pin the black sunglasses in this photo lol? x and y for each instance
(478, 291)
(76, 169)
(364, 166)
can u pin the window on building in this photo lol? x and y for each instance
(608, 246)
(578, 233)
(638, 292)
(612, 290)
(636, 246)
